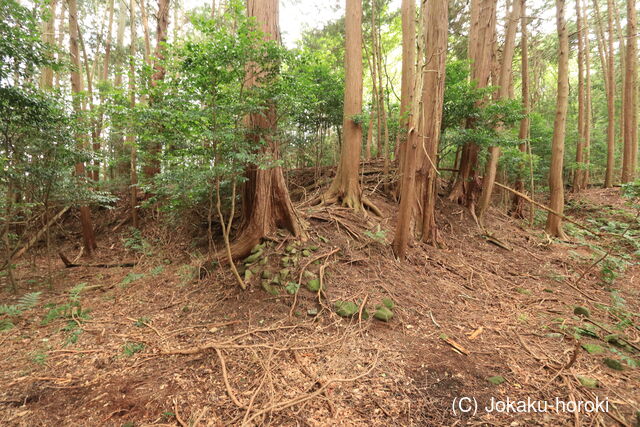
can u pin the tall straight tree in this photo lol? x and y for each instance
(408, 16)
(611, 109)
(77, 88)
(630, 97)
(517, 209)
(578, 172)
(408, 150)
(152, 167)
(345, 187)
(436, 24)
(504, 83)
(48, 36)
(265, 199)
(585, 176)
(480, 52)
(556, 182)
(131, 137)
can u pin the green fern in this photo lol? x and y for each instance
(10, 310)
(76, 290)
(5, 325)
(28, 301)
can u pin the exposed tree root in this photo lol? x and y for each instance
(69, 264)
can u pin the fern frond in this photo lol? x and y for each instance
(29, 300)
(10, 310)
(5, 325)
(75, 291)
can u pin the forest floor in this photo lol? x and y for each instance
(483, 317)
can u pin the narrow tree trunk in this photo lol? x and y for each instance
(367, 148)
(611, 93)
(577, 172)
(504, 82)
(481, 36)
(145, 27)
(630, 95)
(622, 43)
(345, 187)
(93, 122)
(131, 137)
(107, 45)
(265, 203)
(122, 153)
(374, 80)
(409, 143)
(382, 100)
(585, 176)
(517, 209)
(49, 37)
(408, 12)
(436, 25)
(77, 88)
(152, 168)
(104, 77)
(556, 184)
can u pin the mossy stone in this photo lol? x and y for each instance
(593, 348)
(383, 313)
(581, 311)
(613, 364)
(313, 285)
(588, 382)
(284, 273)
(253, 257)
(345, 308)
(388, 302)
(309, 274)
(496, 380)
(270, 288)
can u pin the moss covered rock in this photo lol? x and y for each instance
(345, 308)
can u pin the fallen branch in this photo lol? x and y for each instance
(69, 264)
(17, 253)
(548, 209)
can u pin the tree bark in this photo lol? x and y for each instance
(436, 26)
(145, 27)
(504, 82)
(123, 155)
(77, 88)
(630, 95)
(152, 166)
(49, 37)
(409, 122)
(517, 209)
(577, 173)
(481, 36)
(556, 184)
(131, 138)
(345, 187)
(586, 129)
(408, 15)
(107, 44)
(265, 198)
(606, 52)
